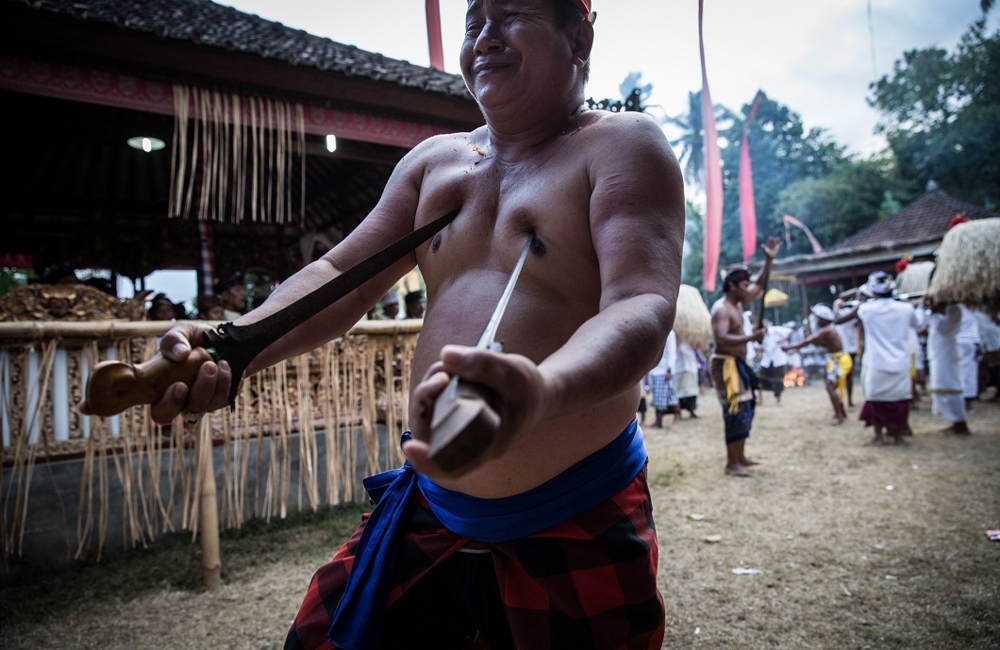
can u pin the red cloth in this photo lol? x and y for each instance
(587, 582)
(713, 171)
(434, 34)
(748, 212)
(892, 415)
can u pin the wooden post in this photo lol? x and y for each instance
(208, 513)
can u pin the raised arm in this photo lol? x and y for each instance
(770, 249)
(391, 219)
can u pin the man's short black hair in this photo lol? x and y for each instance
(734, 277)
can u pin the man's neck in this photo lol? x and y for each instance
(513, 138)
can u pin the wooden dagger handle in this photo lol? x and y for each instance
(464, 425)
(115, 386)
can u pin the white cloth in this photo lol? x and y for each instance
(885, 365)
(747, 331)
(945, 381)
(774, 356)
(848, 336)
(878, 385)
(687, 360)
(989, 332)
(968, 339)
(686, 371)
(669, 358)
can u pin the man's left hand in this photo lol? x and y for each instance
(771, 247)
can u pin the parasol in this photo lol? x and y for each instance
(775, 298)
(693, 323)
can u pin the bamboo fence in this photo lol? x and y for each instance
(344, 391)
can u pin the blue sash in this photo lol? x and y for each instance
(581, 487)
(357, 623)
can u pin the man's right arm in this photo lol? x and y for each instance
(392, 218)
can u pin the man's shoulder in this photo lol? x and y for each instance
(440, 146)
(624, 124)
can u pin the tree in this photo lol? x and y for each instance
(782, 153)
(850, 198)
(691, 141)
(694, 246)
(941, 115)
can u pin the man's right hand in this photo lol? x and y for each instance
(209, 392)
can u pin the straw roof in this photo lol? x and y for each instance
(693, 323)
(968, 265)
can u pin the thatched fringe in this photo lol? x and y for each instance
(320, 412)
(915, 278)
(223, 142)
(968, 267)
(693, 323)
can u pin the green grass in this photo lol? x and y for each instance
(175, 563)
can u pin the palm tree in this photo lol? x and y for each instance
(986, 5)
(691, 140)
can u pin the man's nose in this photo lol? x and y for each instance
(489, 38)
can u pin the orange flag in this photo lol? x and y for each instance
(748, 213)
(713, 171)
(434, 34)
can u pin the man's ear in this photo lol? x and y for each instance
(582, 41)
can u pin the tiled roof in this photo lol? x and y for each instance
(206, 23)
(925, 219)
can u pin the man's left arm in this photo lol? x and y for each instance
(770, 248)
(637, 228)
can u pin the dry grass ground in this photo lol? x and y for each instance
(856, 547)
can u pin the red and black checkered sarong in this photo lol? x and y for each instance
(589, 582)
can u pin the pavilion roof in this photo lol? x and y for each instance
(202, 22)
(925, 219)
(915, 231)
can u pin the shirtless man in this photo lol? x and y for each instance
(734, 380)
(838, 365)
(587, 320)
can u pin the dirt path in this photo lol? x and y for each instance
(844, 546)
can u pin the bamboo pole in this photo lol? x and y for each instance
(208, 514)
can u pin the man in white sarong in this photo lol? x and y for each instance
(885, 363)
(686, 378)
(968, 346)
(944, 355)
(774, 360)
(989, 336)
(661, 382)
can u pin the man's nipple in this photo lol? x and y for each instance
(537, 245)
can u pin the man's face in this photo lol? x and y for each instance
(235, 297)
(739, 290)
(513, 50)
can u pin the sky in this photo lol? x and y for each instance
(817, 57)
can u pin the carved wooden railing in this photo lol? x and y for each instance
(347, 398)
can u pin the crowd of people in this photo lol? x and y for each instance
(901, 350)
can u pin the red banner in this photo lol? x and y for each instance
(434, 35)
(16, 261)
(713, 170)
(748, 212)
